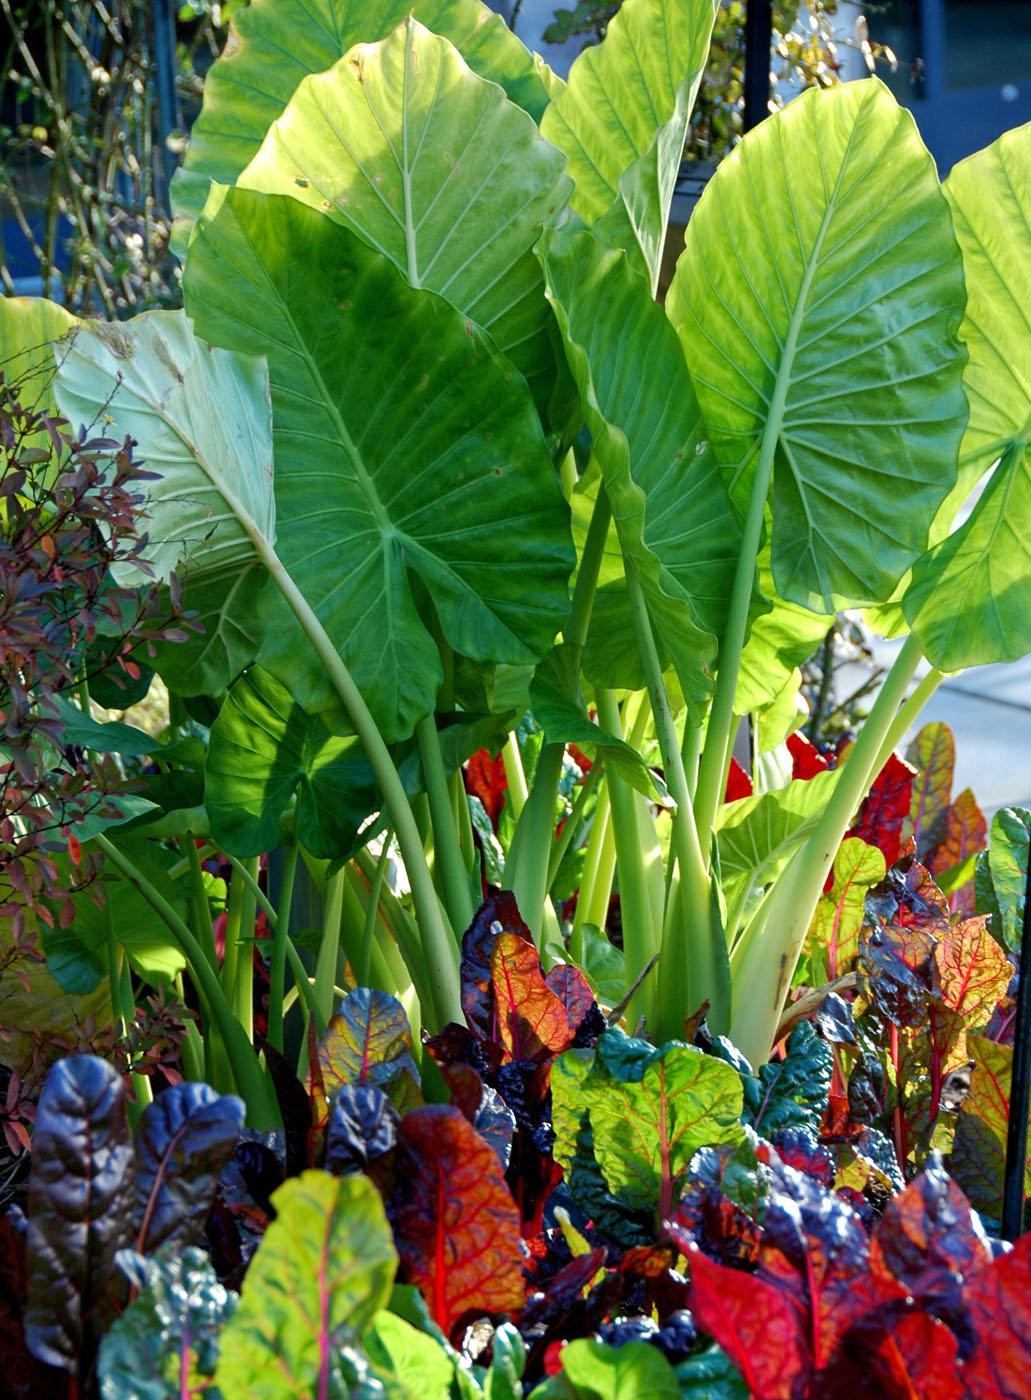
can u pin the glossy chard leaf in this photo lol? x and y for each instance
(165, 1345)
(369, 375)
(203, 421)
(791, 1092)
(263, 748)
(455, 1222)
(594, 1371)
(647, 1130)
(362, 1128)
(407, 146)
(276, 45)
(498, 915)
(80, 1210)
(973, 972)
(321, 1273)
(755, 1325)
(676, 528)
(968, 602)
(622, 118)
(998, 1301)
(801, 319)
(369, 1041)
(184, 1139)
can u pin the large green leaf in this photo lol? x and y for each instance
(970, 599)
(29, 327)
(674, 517)
(277, 43)
(403, 442)
(263, 747)
(622, 118)
(321, 1273)
(227, 609)
(756, 835)
(431, 164)
(1001, 877)
(824, 325)
(203, 421)
(781, 636)
(594, 1371)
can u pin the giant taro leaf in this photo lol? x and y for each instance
(622, 119)
(403, 442)
(321, 1273)
(823, 330)
(455, 1222)
(263, 747)
(433, 166)
(277, 43)
(183, 1140)
(970, 598)
(166, 1344)
(202, 420)
(80, 1210)
(674, 519)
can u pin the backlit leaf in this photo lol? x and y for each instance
(834, 930)
(455, 1222)
(933, 754)
(369, 1041)
(881, 818)
(321, 1273)
(973, 971)
(532, 1021)
(979, 1147)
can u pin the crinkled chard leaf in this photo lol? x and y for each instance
(80, 1210)
(184, 1139)
(369, 1041)
(362, 1128)
(165, 1346)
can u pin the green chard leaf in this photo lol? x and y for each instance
(1002, 874)
(321, 1273)
(594, 1371)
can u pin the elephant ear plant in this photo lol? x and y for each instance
(443, 477)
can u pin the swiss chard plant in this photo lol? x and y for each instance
(490, 551)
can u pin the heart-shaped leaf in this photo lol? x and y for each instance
(368, 377)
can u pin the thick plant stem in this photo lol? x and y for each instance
(447, 852)
(329, 947)
(596, 882)
(769, 958)
(574, 820)
(691, 969)
(514, 776)
(262, 1111)
(640, 936)
(439, 949)
(277, 963)
(526, 871)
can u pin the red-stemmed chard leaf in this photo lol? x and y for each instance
(973, 971)
(532, 1023)
(998, 1302)
(321, 1273)
(965, 833)
(498, 914)
(886, 808)
(573, 991)
(979, 1146)
(933, 754)
(369, 1041)
(739, 784)
(455, 1222)
(486, 779)
(184, 1139)
(80, 1211)
(929, 1240)
(755, 1325)
(914, 1357)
